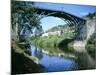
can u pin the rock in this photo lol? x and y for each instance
(28, 52)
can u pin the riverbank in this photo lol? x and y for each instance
(54, 45)
(22, 62)
(58, 53)
(51, 40)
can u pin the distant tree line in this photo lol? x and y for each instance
(91, 15)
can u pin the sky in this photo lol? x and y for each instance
(78, 10)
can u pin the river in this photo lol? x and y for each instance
(54, 63)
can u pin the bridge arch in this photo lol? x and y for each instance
(78, 22)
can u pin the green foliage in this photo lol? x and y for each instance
(22, 7)
(50, 41)
(24, 19)
(91, 46)
(91, 15)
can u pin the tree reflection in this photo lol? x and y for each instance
(38, 53)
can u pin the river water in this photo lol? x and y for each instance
(53, 63)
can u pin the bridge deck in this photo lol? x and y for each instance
(57, 13)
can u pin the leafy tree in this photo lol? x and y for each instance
(24, 19)
(91, 15)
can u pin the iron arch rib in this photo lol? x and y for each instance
(78, 22)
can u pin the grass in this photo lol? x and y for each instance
(54, 44)
(52, 40)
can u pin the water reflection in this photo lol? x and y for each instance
(84, 59)
(37, 52)
(54, 63)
